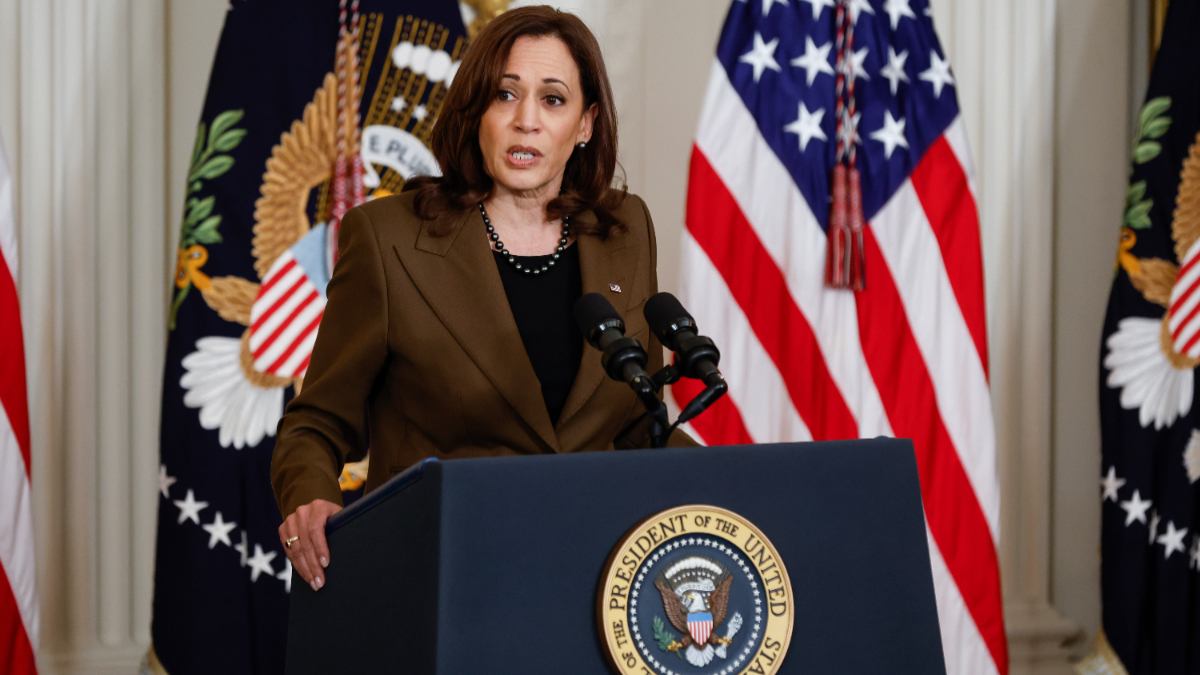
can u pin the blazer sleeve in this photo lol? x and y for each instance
(636, 433)
(325, 424)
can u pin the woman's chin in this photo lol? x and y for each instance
(523, 183)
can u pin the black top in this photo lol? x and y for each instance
(542, 306)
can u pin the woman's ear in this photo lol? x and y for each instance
(587, 123)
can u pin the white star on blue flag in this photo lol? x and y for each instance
(899, 75)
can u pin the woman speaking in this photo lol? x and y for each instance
(449, 330)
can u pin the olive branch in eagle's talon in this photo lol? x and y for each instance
(665, 640)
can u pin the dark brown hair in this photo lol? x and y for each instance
(455, 136)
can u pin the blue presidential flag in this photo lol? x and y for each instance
(313, 106)
(1151, 347)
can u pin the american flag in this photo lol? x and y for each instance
(907, 355)
(18, 592)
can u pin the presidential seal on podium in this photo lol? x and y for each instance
(695, 590)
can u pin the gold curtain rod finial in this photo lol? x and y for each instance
(1158, 17)
(485, 11)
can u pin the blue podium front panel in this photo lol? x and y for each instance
(510, 582)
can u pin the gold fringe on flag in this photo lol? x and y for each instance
(1102, 661)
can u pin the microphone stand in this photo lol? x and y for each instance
(621, 354)
(660, 426)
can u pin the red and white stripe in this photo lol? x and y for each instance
(284, 319)
(906, 357)
(18, 589)
(700, 630)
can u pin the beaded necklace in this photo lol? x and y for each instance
(532, 271)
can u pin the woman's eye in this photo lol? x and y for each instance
(505, 95)
(554, 100)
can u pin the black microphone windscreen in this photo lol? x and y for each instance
(593, 309)
(662, 310)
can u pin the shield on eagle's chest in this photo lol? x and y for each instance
(1183, 319)
(700, 626)
(290, 303)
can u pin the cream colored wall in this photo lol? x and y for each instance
(1090, 173)
(1048, 84)
(659, 78)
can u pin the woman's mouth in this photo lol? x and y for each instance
(523, 157)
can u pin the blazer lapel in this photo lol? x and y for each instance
(603, 263)
(457, 276)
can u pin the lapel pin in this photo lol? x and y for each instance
(614, 288)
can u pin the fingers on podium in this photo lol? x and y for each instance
(294, 533)
(315, 535)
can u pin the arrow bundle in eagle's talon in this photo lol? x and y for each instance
(735, 624)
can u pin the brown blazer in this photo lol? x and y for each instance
(418, 338)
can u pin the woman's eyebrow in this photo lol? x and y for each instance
(548, 80)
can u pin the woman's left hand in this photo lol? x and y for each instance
(303, 538)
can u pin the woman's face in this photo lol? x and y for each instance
(536, 118)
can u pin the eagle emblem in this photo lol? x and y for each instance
(719, 582)
(1152, 360)
(695, 595)
(317, 171)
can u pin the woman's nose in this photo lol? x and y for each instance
(528, 115)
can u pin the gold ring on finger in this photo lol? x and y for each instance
(288, 543)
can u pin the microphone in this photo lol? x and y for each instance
(695, 355)
(624, 358)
